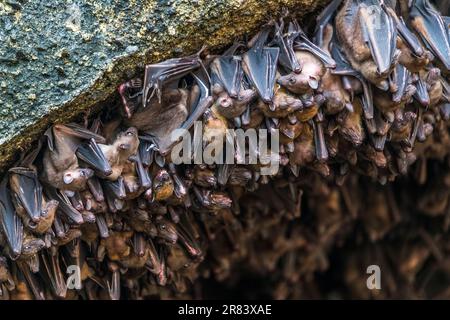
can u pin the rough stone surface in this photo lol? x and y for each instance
(59, 58)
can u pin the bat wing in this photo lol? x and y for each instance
(78, 131)
(156, 75)
(319, 141)
(324, 18)
(142, 173)
(306, 45)
(116, 189)
(447, 26)
(287, 57)
(421, 94)
(432, 29)
(260, 66)
(409, 38)
(93, 155)
(379, 32)
(227, 71)
(146, 152)
(53, 273)
(65, 207)
(343, 68)
(29, 190)
(10, 222)
(402, 76)
(204, 101)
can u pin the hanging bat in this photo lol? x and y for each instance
(287, 57)
(10, 222)
(36, 212)
(344, 69)
(325, 18)
(331, 86)
(60, 163)
(177, 110)
(432, 29)
(227, 78)
(131, 95)
(314, 61)
(412, 54)
(260, 65)
(368, 37)
(53, 273)
(159, 74)
(117, 154)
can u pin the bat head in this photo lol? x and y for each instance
(299, 82)
(167, 231)
(127, 142)
(76, 179)
(224, 100)
(32, 246)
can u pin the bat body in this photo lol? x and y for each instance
(308, 79)
(432, 29)
(231, 97)
(36, 212)
(175, 109)
(10, 222)
(60, 163)
(124, 146)
(260, 65)
(368, 36)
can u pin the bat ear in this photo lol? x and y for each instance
(68, 178)
(313, 82)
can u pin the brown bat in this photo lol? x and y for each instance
(36, 211)
(176, 108)
(227, 78)
(117, 154)
(60, 163)
(337, 98)
(368, 37)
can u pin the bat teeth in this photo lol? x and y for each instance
(350, 184)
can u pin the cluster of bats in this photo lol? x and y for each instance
(367, 94)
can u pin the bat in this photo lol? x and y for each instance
(161, 118)
(287, 57)
(93, 156)
(157, 75)
(52, 270)
(65, 206)
(227, 78)
(260, 65)
(11, 224)
(60, 164)
(368, 36)
(325, 18)
(344, 68)
(432, 29)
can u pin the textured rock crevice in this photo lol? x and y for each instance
(60, 58)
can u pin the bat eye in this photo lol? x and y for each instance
(292, 80)
(162, 226)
